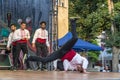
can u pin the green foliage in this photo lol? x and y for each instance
(93, 15)
(117, 16)
(113, 40)
(93, 55)
(94, 18)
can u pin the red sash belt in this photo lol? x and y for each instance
(22, 41)
(14, 43)
(69, 55)
(43, 41)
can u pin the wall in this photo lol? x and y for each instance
(62, 18)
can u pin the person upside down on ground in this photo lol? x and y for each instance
(74, 61)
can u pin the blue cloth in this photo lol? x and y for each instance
(5, 32)
(80, 45)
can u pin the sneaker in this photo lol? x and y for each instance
(38, 69)
(28, 69)
(13, 68)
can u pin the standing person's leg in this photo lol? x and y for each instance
(25, 52)
(14, 54)
(38, 53)
(38, 49)
(44, 54)
(44, 50)
(17, 52)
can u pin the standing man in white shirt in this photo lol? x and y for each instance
(40, 41)
(12, 44)
(21, 36)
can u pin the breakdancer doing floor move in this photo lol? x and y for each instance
(60, 53)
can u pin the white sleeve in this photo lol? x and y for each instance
(66, 64)
(85, 63)
(9, 40)
(47, 42)
(16, 36)
(35, 36)
(28, 34)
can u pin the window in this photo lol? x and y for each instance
(63, 3)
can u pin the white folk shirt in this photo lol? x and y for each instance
(20, 34)
(43, 34)
(72, 65)
(10, 39)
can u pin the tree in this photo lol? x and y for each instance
(113, 40)
(94, 18)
